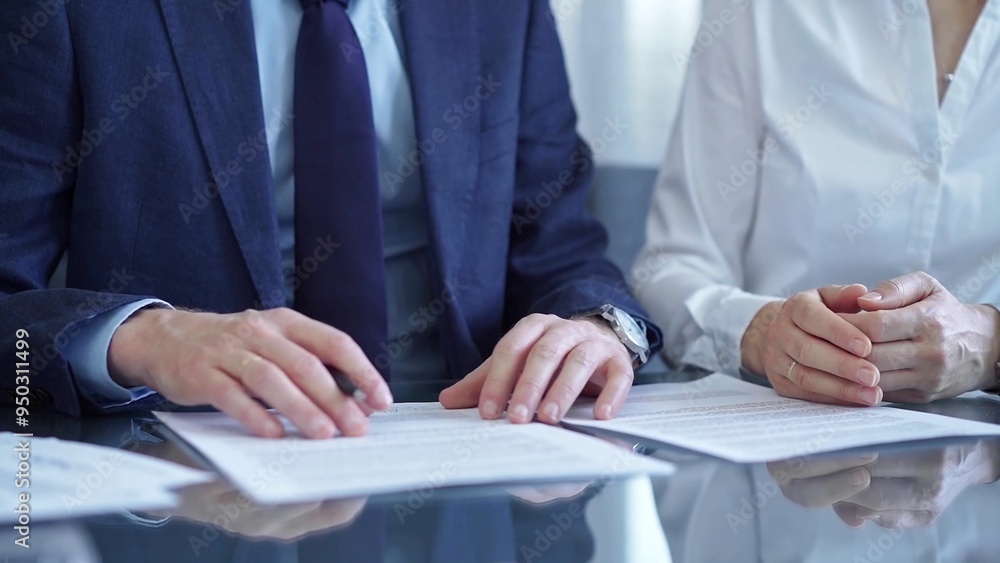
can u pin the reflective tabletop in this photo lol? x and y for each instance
(927, 501)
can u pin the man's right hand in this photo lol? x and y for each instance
(807, 351)
(277, 356)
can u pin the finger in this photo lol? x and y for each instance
(842, 299)
(887, 326)
(227, 395)
(813, 317)
(580, 365)
(620, 377)
(268, 382)
(897, 493)
(799, 469)
(900, 292)
(819, 354)
(896, 519)
(314, 379)
(507, 362)
(900, 385)
(827, 489)
(335, 348)
(909, 465)
(465, 393)
(847, 513)
(890, 356)
(545, 357)
(827, 385)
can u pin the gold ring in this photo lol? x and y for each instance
(791, 366)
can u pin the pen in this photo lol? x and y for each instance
(348, 387)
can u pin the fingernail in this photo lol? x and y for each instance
(321, 427)
(490, 409)
(519, 413)
(384, 397)
(603, 412)
(354, 423)
(859, 478)
(867, 376)
(859, 347)
(872, 296)
(551, 411)
(869, 395)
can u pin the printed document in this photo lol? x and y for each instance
(64, 479)
(411, 447)
(739, 421)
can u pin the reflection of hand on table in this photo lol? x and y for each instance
(539, 495)
(219, 504)
(896, 490)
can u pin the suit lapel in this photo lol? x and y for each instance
(442, 52)
(216, 55)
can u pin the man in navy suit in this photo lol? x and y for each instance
(251, 193)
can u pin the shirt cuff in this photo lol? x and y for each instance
(87, 355)
(722, 313)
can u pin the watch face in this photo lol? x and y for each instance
(632, 328)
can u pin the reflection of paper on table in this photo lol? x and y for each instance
(411, 447)
(732, 419)
(72, 479)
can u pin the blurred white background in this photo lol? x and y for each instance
(623, 62)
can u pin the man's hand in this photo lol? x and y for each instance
(542, 365)
(241, 516)
(227, 361)
(808, 352)
(927, 344)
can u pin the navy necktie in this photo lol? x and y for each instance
(337, 201)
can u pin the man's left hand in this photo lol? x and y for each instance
(542, 365)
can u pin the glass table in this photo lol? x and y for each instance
(928, 501)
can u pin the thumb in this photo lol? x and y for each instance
(465, 393)
(900, 292)
(842, 298)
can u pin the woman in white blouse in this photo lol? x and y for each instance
(820, 143)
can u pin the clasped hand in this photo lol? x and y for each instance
(908, 340)
(894, 490)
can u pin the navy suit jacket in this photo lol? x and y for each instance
(130, 136)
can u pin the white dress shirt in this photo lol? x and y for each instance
(810, 149)
(406, 239)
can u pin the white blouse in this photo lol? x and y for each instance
(810, 149)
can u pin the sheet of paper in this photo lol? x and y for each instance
(412, 447)
(732, 419)
(71, 479)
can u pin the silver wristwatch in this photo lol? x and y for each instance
(630, 331)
